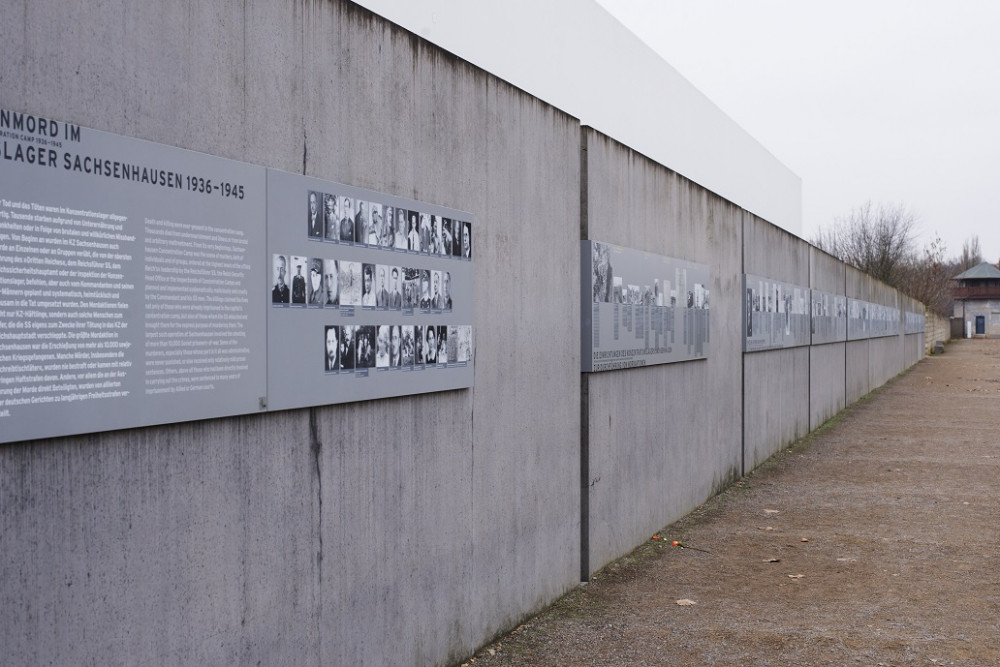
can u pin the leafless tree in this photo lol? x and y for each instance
(927, 278)
(877, 239)
(972, 254)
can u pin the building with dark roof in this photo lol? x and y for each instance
(977, 300)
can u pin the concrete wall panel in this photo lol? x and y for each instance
(857, 364)
(827, 378)
(174, 544)
(657, 445)
(775, 402)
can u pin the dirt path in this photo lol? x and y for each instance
(874, 542)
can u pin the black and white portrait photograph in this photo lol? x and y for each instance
(602, 273)
(467, 240)
(383, 296)
(331, 218)
(426, 233)
(346, 219)
(452, 344)
(400, 228)
(447, 238)
(350, 283)
(437, 238)
(368, 285)
(299, 269)
(331, 282)
(464, 343)
(348, 349)
(430, 345)
(413, 231)
(411, 287)
(436, 298)
(395, 288)
(331, 338)
(387, 237)
(442, 353)
(315, 215)
(395, 346)
(617, 290)
(315, 295)
(374, 224)
(407, 345)
(425, 289)
(279, 291)
(418, 345)
(382, 346)
(446, 302)
(361, 222)
(365, 344)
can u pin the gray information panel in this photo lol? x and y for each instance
(858, 324)
(128, 270)
(871, 320)
(640, 309)
(915, 322)
(368, 296)
(829, 317)
(775, 314)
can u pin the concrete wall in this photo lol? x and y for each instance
(663, 438)
(397, 531)
(775, 382)
(827, 363)
(408, 530)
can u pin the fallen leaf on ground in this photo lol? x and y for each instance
(686, 603)
(765, 527)
(771, 511)
(804, 539)
(796, 576)
(772, 560)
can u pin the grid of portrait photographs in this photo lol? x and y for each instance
(327, 282)
(332, 278)
(334, 218)
(358, 347)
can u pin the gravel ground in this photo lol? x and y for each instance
(871, 542)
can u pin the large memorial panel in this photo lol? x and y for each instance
(145, 284)
(641, 309)
(126, 273)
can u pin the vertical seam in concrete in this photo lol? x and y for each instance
(584, 390)
(809, 380)
(743, 353)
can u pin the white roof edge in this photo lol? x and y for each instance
(571, 53)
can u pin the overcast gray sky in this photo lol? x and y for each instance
(894, 101)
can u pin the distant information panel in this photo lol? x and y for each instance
(775, 314)
(829, 317)
(145, 284)
(369, 295)
(641, 309)
(127, 270)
